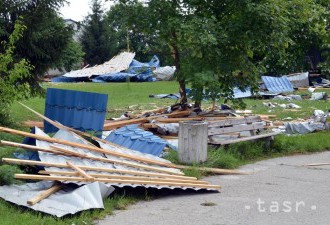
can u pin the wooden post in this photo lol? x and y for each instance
(192, 141)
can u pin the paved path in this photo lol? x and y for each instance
(288, 194)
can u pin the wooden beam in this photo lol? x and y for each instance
(117, 181)
(176, 120)
(61, 151)
(30, 123)
(117, 124)
(44, 194)
(124, 177)
(215, 170)
(236, 128)
(237, 121)
(93, 168)
(88, 147)
(318, 164)
(80, 171)
(259, 136)
(129, 164)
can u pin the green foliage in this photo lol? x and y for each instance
(72, 57)
(95, 39)
(43, 41)
(12, 74)
(7, 173)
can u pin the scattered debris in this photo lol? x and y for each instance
(319, 96)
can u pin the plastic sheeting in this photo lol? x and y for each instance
(277, 84)
(70, 200)
(80, 110)
(303, 127)
(242, 94)
(137, 139)
(164, 73)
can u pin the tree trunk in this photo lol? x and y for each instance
(182, 82)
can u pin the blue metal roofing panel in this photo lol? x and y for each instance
(80, 110)
(277, 84)
(137, 139)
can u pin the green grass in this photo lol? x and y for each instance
(121, 97)
(242, 153)
(134, 97)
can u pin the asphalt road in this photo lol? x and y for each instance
(280, 191)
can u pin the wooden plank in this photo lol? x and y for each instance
(91, 148)
(114, 125)
(216, 170)
(230, 122)
(129, 164)
(221, 118)
(93, 168)
(101, 175)
(233, 129)
(118, 124)
(30, 123)
(177, 120)
(80, 171)
(60, 151)
(227, 142)
(44, 194)
(117, 181)
(148, 125)
(318, 164)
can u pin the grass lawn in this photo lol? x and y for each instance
(133, 97)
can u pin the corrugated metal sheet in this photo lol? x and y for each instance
(116, 64)
(137, 71)
(299, 80)
(80, 110)
(277, 84)
(69, 200)
(137, 139)
(66, 135)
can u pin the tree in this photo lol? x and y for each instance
(227, 44)
(95, 39)
(12, 73)
(72, 57)
(43, 41)
(127, 24)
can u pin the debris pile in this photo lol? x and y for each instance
(69, 158)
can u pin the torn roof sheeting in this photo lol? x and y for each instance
(69, 200)
(277, 84)
(77, 109)
(137, 71)
(137, 139)
(144, 174)
(116, 64)
(299, 79)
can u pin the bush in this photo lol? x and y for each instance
(7, 173)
